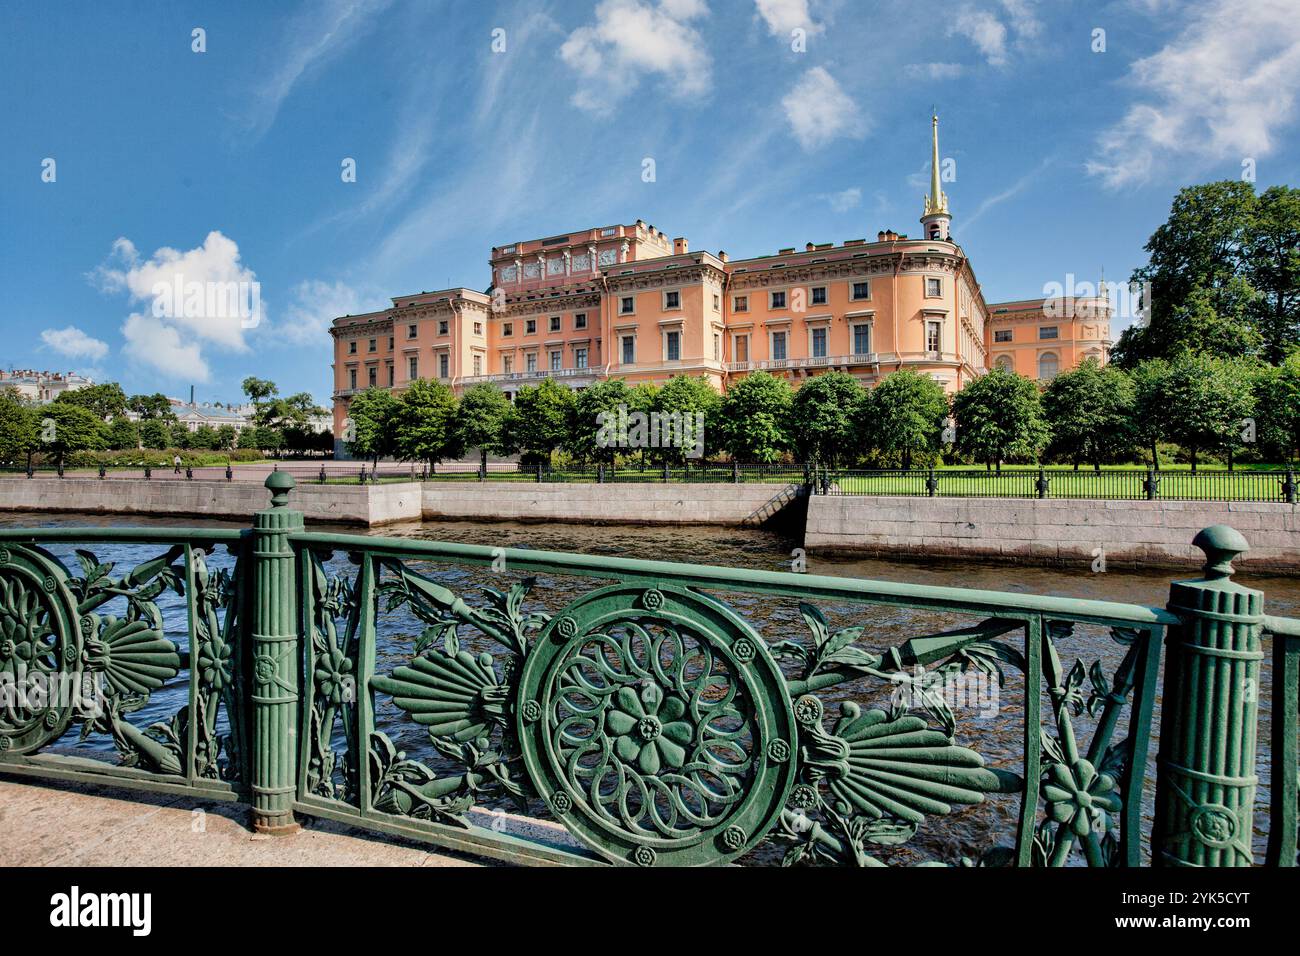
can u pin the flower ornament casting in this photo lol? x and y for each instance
(334, 676)
(214, 663)
(647, 730)
(1078, 796)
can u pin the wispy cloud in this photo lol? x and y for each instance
(994, 29)
(631, 39)
(1221, 90)
(784, 16)
(314, 36)
(997, 199)
(844, 200)
(933, 71)
(819, 111)
(74, 343)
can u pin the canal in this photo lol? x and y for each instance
(989, 720)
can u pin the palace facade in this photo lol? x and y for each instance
(626, 301)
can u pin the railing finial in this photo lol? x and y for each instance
(280, 483)
(1222, 545)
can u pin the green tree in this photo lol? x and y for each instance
(593, 432)
(688, 409)
(259, 389)
(226, 436)
(155, 434)
(542, 416)
(156, 405)
(1152, 411)
(17, 427)
(123, 435)
(104, 401)
(180, 435)
(1277, 409)
(1273, 268)
(483, 421)
(426, 418)
(205, 437)
(1090, 413)
(755, 418)
(1208, 400)
(822, 418)
(999, 416)
(904, 415)
(371, 431)
(247, 439)
(269, 439)
(65, 428)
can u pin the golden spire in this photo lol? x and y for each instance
(936, 203)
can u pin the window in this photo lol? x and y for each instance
(672, 300)
(442, 327)
(742, 348)
(717, 302)
(819, 295)
(507, 363)
(444, 363)
(933, 288)
(862, 339)
(1048, 366)
(478, 365)
(530, 361)
(717, 347)
(1002, 335)
(478, 328)
(352, 347)
(390, 343)
(778, 346)
(629, 349)
(413, 367)
(411, 331)
(862, 290)
(819, 343)
(390, 375)
(627, 305)
(580, 320)
(530, 327)
(777, 300)
(1004, 363)
(1049, 332)
(579, 358)
(557, 360)
(507, 329)
(673, 346)
(933, 336)
(740, 303)
(554, 325)
(352, 379)
(372, 345)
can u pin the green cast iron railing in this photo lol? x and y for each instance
(635, 713)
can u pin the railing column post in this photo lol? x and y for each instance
(1289, 486)
(276, 661)
(735, 472)
(1042, 484)
(931, 484)
(1205, 783)
(1151, 485)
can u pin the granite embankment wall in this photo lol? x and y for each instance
(407, 501)
(1051, 531)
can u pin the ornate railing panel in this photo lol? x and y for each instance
(567, 709)
(90, 648)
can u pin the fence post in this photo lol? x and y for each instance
(600, 472)
(665, 472)
(60, 469)
(1205, 782)
(103, 472)
(482, 471)
(321, 477)
(1289, 487)
(735, 472)
(230, 472)
(1042, 484)
(361, 479)
(1151, 485)
(189, 473)
(148, 472)
(931, 484)
(276, 660)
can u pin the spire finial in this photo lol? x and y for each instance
(936, 203)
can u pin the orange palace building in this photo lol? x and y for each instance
(626, 301)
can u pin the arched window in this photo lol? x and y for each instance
(1048, 366)
(1004, 362)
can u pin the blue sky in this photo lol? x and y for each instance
(1066, 158)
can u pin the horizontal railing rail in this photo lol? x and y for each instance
(553, 708)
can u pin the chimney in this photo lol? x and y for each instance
(880, 236)
(723, 255)
(809, 247)
(191, 394)
(681, 246)
(786, 252)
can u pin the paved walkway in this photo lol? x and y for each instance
(71, 825)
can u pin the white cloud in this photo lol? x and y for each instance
(933, 71)
(1220, 91)
(213, 269)
(991, 35)
(315, 305)
(158, 346)
(845, 200)
(819, 110)
(312, 38)
(631, 38)
(74, 343)
(782, 16)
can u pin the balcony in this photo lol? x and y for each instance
(533, 376)
(816, 361)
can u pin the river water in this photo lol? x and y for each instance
(993, 726)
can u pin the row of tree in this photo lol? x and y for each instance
(1090, 415)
